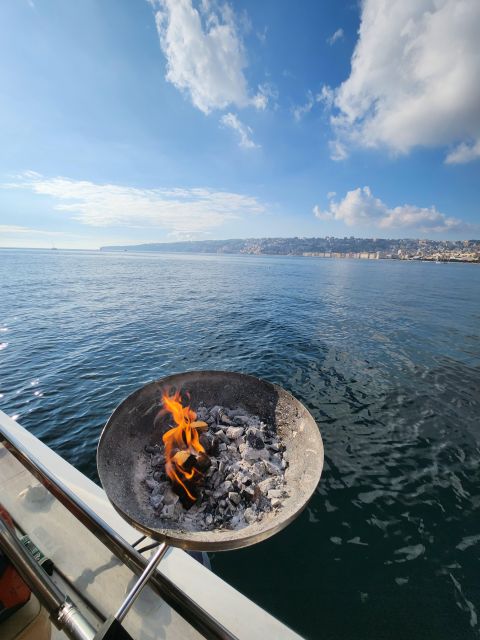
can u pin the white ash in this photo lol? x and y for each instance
(246, 478)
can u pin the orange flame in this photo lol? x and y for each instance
(181, 438)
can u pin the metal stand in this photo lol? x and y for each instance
(112, 629)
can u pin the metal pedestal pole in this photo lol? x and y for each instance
(112, 629)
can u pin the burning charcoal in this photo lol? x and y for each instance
(254, 454)
(224, 418)
(255, 441)
(256, 430)
(158, 460)
(151, 449)
(274, 446)
(185, 460)
(222, 436)
(205, 442)
(202, 413)
(258, 468)
(244, 471)
(170, 497)
(257, 493)
(159, 490)
(235, 521)
(214, 446)
(151, 484)
(232, 449)
(223, 489)
(271, 468)
(247, 494)
(202, 462)
(263, 504)
(249, 515)
(199, 425)
(168, 511)
(216, 411)
(234, 432)
(156, 501)
(267, 485)
(234, 497)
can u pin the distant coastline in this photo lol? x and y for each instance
(327, 247)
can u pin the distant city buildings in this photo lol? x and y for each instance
(328, 247)
(368, 248)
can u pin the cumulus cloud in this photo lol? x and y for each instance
(338, 35)
(242, 130)
(205, 53)
(109, 205)
(414, 78)
(360, 208)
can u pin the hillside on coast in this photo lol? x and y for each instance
(462, 250)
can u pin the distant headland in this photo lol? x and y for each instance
(327, 247)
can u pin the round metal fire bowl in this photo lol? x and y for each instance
(122, 464)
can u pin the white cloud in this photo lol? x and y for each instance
(338, 150)
(108, 205)
(464, 153)
(243, 131)
(301, 110)
(360, 208)
(260, 101)
(262, 35)
(414, 78)
(266, 92)
(205, 53)
(16, 230)
(326, 96)
(338, 35)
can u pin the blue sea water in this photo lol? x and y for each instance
(385, 354)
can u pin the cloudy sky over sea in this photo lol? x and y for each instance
(133, 121)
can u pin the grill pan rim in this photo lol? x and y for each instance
(215, 540)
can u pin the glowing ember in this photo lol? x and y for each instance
(185, 457)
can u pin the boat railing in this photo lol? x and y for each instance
(181, 602)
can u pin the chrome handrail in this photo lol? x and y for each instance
(185, 606)
(63, 612)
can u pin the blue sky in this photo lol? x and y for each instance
(126, 121)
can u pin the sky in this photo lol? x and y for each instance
(132, 121)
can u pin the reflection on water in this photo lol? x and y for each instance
(386, 355)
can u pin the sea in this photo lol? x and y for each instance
(386, 356)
